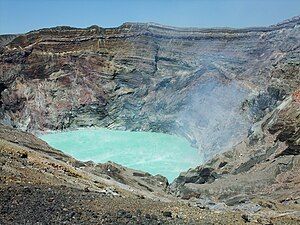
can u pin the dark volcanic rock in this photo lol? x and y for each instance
(198, 176)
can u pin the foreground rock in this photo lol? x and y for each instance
(39, 184)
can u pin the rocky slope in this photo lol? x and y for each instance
(234, 91)
(39, 184)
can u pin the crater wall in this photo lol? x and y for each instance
(207, 85)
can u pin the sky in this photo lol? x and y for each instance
(20, 16)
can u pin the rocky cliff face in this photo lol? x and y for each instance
(207, 85)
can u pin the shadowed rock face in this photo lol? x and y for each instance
(205, 84)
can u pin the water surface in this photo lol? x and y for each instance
(155, 153)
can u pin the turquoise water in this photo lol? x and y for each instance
(155, 153)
